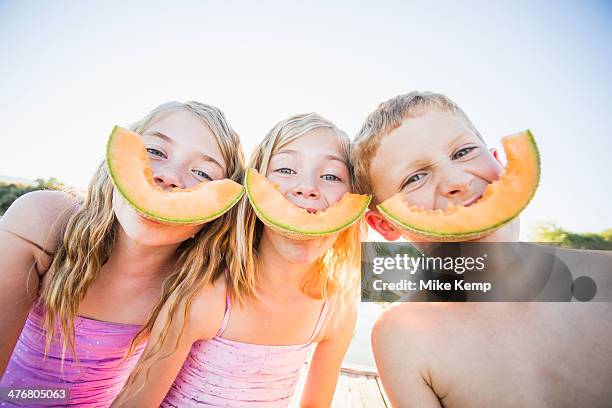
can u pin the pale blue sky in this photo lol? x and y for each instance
(71, 70)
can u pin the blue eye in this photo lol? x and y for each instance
(463, 152)
(330, 177)
(285, 170)
(155, 152)
(202, 174)
(414, 178)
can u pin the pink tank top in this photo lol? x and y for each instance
(93, 381)
(226, 373)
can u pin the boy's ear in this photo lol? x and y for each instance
(382, 226)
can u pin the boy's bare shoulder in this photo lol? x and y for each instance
(428, 323)
(412, 339)
(409, 323)
(414, 316)
(40, 216)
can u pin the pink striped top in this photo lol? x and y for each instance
(92, 381)
(227, 373)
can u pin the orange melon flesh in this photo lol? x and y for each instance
(130, 170)
(280, 214)
(502, 201)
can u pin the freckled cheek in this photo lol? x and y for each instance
(300, 251)
(423, 196)
(284, 186)
(334, 195)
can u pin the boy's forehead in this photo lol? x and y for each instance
(413, 142)
(421, 135)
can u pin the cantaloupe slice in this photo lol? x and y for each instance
(280, 214)
(502, 201)
(130, 170)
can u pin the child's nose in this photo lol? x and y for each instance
(457, 186)
(168, 180)
(306, 189)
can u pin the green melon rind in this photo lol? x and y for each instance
(151, 214)
(291, 229)
(474, 234)
(443, 236)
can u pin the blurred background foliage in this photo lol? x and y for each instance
(553, 234)
(9, 192)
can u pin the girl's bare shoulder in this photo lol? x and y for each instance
(341, 318)
(208, 309)
(39, 217)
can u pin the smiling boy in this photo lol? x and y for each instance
(469, 354)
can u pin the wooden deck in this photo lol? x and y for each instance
(357, 387)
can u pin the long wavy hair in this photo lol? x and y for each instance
(91, 232)
(336, 273)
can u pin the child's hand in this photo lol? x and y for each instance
(507, 233)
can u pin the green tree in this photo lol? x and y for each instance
(550, 232)
(10, 192)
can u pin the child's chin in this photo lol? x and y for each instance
(303, 252)
(152, 240)
(153, 235)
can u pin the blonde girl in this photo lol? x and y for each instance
(86, 279)
(246, 335)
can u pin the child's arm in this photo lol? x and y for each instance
(203, 321)
(326, 361)
(29, 232)
(402, 359)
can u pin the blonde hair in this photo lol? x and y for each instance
(337, 272)
(91, 232)
(387, 117)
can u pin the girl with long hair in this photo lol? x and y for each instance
(242, 339)
(87, 278)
